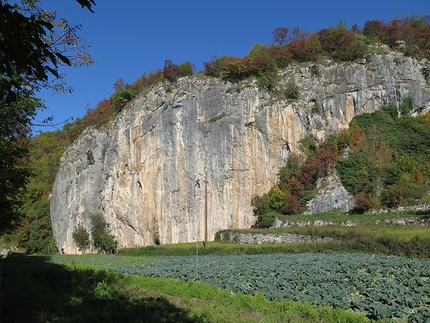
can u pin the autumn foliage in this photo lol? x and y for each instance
(410, 35)
(381, 159)
(100, 114)
(171, 72)
(298, 179)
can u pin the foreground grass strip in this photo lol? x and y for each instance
(223, 306)
(36, 290)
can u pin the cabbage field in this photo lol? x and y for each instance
(382, 286)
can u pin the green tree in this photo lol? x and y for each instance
(309, 145)
(358, 173)
(101, 238)
(82, 238)
(34, 43)
(341, 43)
(292, 91)
(121, 97)
(403, 109)
(186, 69)
(14, 166)
(34, 233)
(290, 170)
(276, 198)
(391, 109)
(257, 50)
(407, 105)
(261, 205)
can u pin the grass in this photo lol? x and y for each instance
(354, 241)
(406, 241)
(338, 216)
(35, 290)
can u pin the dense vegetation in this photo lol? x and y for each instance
(389, 163)
(34, 233)
(33, 44)
(382, 159)
(410, 35)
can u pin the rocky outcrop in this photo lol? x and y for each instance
(4, 253)
(140, 173)
(331, 196)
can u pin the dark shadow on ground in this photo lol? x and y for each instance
(35, 290)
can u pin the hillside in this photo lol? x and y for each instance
(140, 173)
(284, 76)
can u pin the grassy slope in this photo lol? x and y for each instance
(35, 290)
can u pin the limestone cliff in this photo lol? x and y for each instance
(141, 172)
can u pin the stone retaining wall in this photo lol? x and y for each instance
(350, 223)
(259, 238)
(416, 207)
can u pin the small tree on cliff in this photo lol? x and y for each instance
(82, 238)
(102, 239)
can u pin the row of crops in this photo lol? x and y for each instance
(382, 286)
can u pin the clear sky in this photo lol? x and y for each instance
(131, 37)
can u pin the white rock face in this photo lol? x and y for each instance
(141, 173)
(331, 196)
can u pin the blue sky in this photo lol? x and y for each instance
(131, 37)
